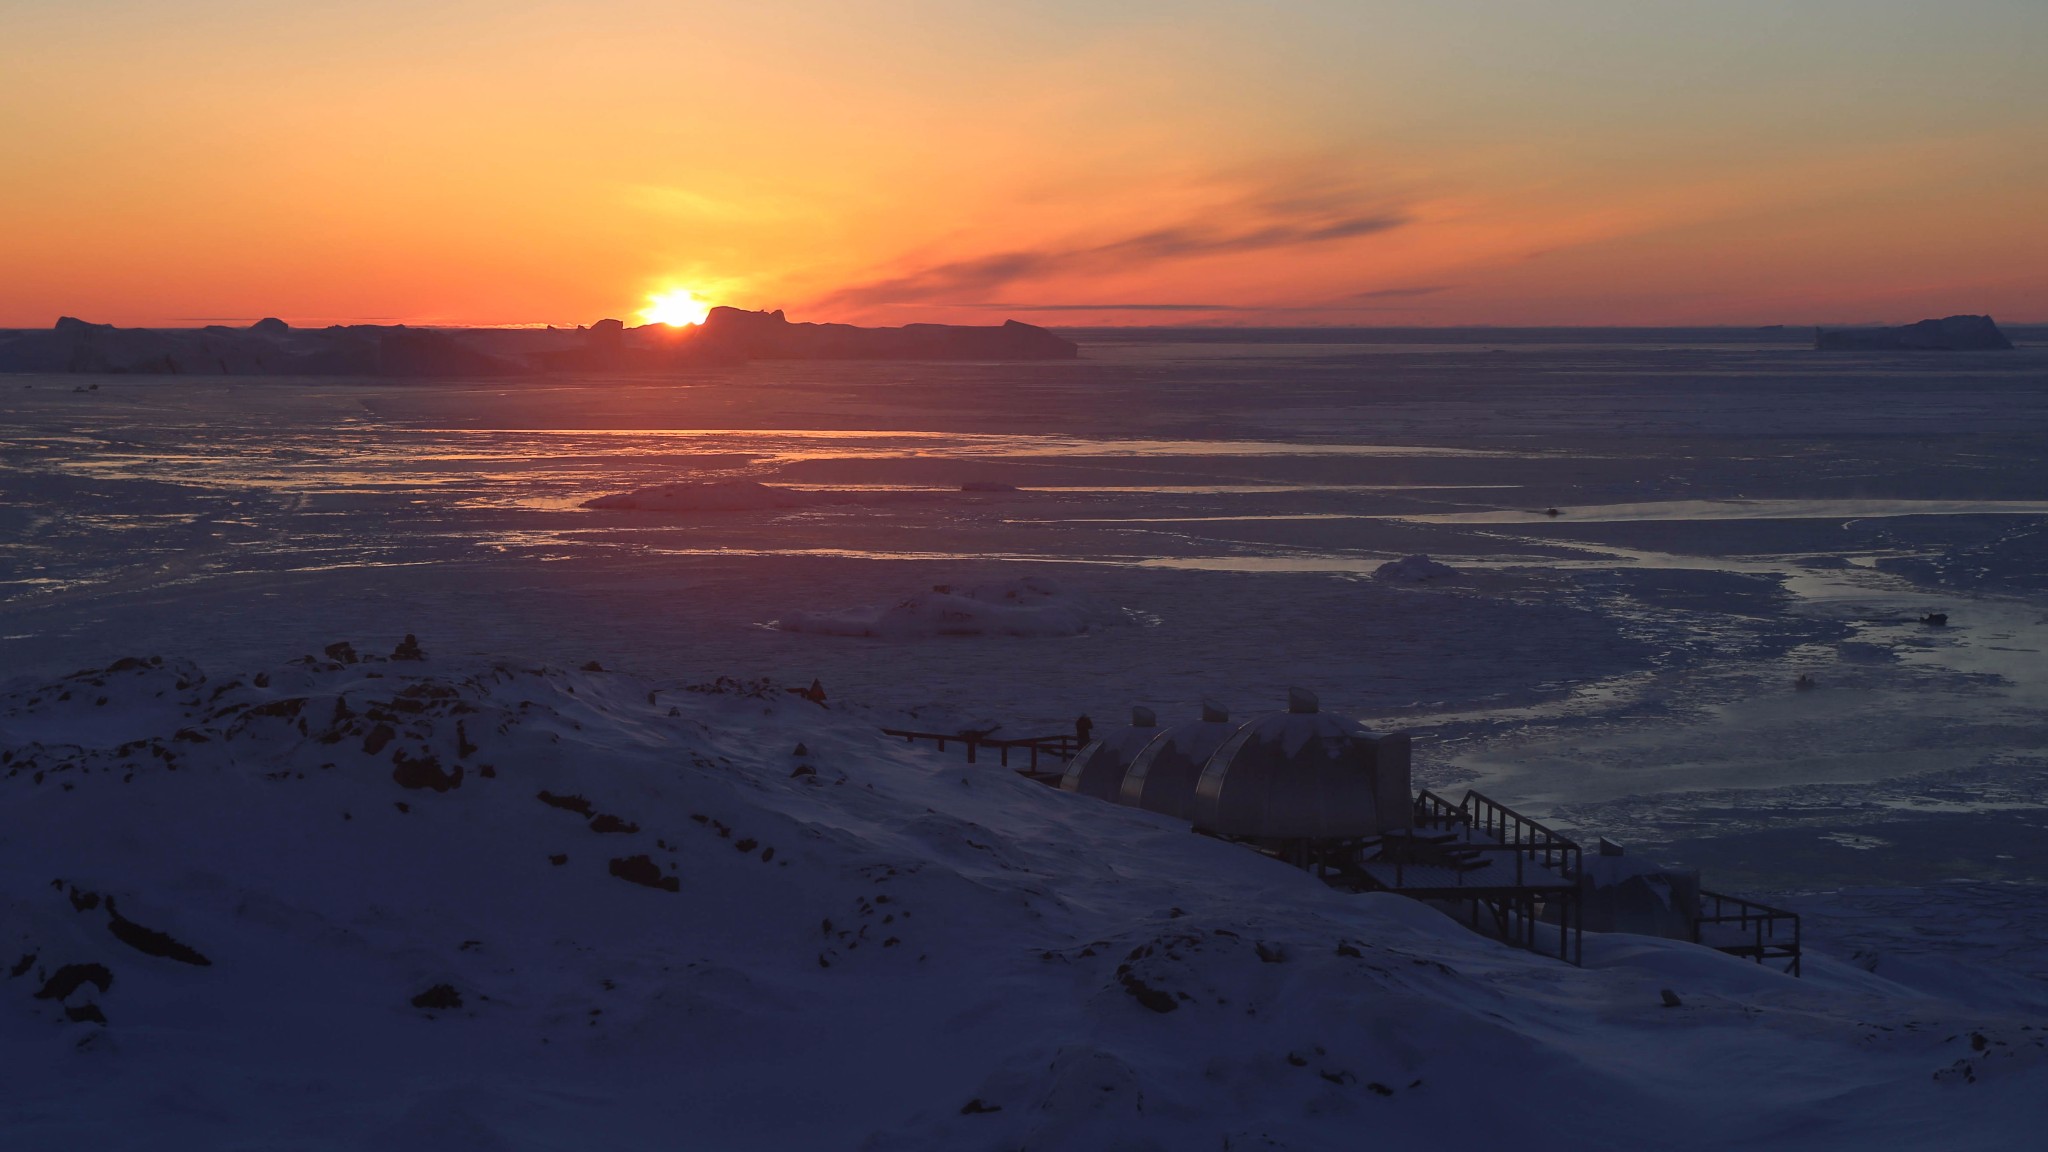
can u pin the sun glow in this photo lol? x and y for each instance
(678, 307)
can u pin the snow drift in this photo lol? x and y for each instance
(1033, 606)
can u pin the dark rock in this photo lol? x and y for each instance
(424, 772)
(84, 1014)
(1671, 999)
(593, 666)
(559, 859)
(21, 966)
(408, 649)
(1153, 998)
(572, 803)
(978, 1106)
(605, 822)
(441, 997)
(1950, 334)
(149, 941)
(341, 652)
(378, 737)
(71, 977)
(643, 871)
(285, 709)
(1270, 954)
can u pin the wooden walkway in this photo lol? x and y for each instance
(1501, 872)
(1489, 860)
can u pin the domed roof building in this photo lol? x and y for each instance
(1163, 776)
(1305, 774)
(1098, 768)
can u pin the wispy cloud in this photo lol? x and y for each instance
(1265, 223)
(1400, 293)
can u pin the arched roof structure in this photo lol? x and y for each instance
(1305, 773)
(1098, 768)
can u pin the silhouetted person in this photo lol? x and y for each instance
(1082, 727)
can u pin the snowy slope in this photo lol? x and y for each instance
(731, 918)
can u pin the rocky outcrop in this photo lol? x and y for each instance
(770, 336)
(270, 347)
(1951, 334)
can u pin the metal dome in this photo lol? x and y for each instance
(1098, 768)
(1305, 774)
(1164, 775)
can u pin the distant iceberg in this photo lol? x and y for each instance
(1416, 569)
(1951, 334)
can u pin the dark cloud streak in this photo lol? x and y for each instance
(1400, 293)
(984, 274)
(1103, 307)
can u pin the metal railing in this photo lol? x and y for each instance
(1761, 929)
(1504, 829)
(1061, 748)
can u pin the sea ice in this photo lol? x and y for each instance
(1032, 606)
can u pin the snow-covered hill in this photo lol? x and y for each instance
(359, 901)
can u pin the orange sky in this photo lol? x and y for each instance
(1315, 161)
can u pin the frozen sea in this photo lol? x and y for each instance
(1733, 511)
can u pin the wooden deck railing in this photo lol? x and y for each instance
(1761, 931)
(1061, 748)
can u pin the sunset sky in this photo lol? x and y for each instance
(1135, 162)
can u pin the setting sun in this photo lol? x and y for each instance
(679, 307)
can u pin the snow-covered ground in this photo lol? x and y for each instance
(1730, 515)
(438, 904)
